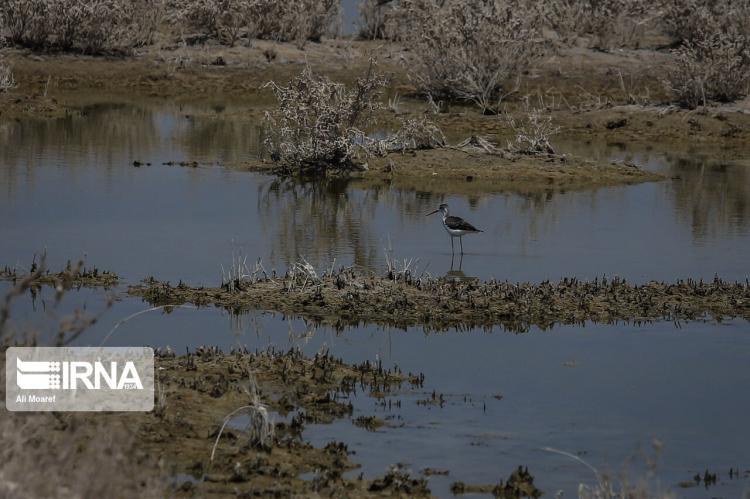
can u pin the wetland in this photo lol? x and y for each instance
(317, 336)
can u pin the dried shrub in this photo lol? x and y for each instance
(372, 19)
(533, 132)
(27, 21)
(7, 80)
(294, 20)
(91, 26)
(607, 23)
(690, 20)
(713, 67)
(225, 20)
(319, 123)
(468, 50)
(567, 18)
(414, 134)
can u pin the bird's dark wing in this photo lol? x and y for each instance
(458, 223)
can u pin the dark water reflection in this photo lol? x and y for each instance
(712, 198)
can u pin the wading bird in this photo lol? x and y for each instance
(455, 226)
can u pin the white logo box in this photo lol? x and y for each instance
(79, 379)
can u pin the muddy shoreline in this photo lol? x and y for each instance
(584, 99)
(199, 389)
(468, 170)
(185, 446)
(71, 277)
(349, 298)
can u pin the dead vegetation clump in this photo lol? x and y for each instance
(372, 19)
(690, 20)
(714, 66)
(7, 80)
(89, 26)
(296, 21)
(532, 132)
(471, 51)
(415, 134)
(225, 20)
(321, 125)
(607, 24)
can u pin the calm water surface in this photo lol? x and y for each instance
(603, 392)
(69, 187)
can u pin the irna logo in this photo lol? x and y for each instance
(56, 375)
(79, 379)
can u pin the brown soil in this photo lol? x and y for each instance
(349, 298)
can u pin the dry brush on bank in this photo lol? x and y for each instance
(90, 26)
(712, 61)
(471, 51)
(608, 24)
(319, 124)
(296, 21)
(713, 67)
(532, 132)
(7, 80)
(690, 20)
(322, 126)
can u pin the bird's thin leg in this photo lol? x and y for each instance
(461, 262)
(452, 250)
(461, 240)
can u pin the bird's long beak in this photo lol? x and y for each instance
(432, 213)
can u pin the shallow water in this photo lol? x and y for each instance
(70, 187)
(604, 393)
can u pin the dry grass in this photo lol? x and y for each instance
(260, 426)
(7, 80)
